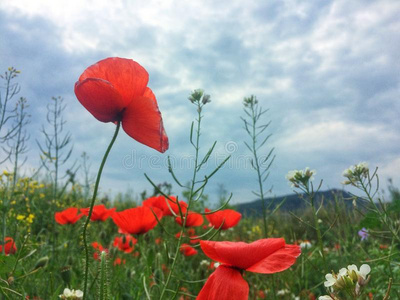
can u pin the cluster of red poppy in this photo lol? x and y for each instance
(141, 219)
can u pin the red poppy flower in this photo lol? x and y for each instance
(9, 246)
(115, 89)
(187, 250)
(125, 243)
(161, 203)
(228, 217)
(191, 232)
(118, 261)
(192, 220)
(99, 248)
(261, 294)
(68, 216)
(99, 213)
(264, 256)
(137, 220)
(194, 239)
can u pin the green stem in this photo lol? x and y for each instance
(199, 107)
(84, 234)
(257, 165)
(316, 224)
(379, 211)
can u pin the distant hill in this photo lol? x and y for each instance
(293, 202)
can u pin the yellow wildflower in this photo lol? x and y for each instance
(20, 217)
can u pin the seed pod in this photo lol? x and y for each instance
(41, 263)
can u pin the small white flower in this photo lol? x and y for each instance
(71, 294)
(364, 270)
(78, 294)
(355, 173)
(282, 292)
(330, 280)
(300, 177)
(204, 263)
(326, 297)
(290, 175)
(305, 245)
(343, 272)
(67, 293)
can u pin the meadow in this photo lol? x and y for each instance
(60, 239)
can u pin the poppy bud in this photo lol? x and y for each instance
(206, 99)
(41, 263)
(196, 95)
(66, 274)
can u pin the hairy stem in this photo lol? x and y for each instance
(84, 233)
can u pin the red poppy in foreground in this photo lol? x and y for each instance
(125, 243)
(9, 246)
(228, 217)
(115, 89)
(187, 250)
(161, 203)
(68, 216)
(137, 220)
(266, 256)
(99, 213)
(192, 220)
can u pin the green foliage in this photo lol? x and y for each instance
(149, 263)
(50, 257)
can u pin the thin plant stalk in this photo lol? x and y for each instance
(191, 195)
(316, 223)
(84, 233)
(254, 130)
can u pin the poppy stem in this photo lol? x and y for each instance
(84, 233)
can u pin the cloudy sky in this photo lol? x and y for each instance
(327, 70)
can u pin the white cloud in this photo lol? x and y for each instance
(328, 71)
(337, 136)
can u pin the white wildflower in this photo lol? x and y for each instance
(204, 263)
(71, 294)
(355, 173)
(282, 292)
(305, 244)
(300, 177)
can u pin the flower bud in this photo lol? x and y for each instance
(41, 263)
(206, 99)
(66, 274)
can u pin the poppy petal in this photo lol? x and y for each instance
(100, 98)
(142, 121)
(224, 284)
(125, 75)
(229, 218)
(239, 254)
(193, 220)
(279, 261)
(137, 220)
